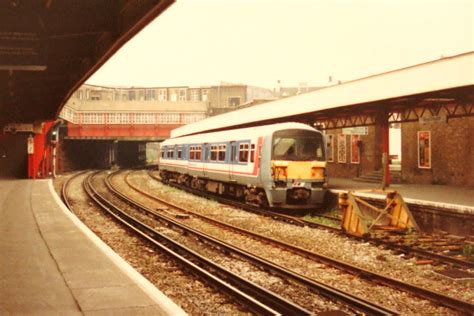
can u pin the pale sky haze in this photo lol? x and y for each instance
(203, 42)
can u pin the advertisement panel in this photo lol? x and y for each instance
(341, 148)
(424, 149)
(355, 153)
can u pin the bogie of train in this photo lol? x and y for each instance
(278, 165)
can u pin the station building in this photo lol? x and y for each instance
(219, 98)
(430, 150)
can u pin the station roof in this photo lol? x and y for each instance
(439, 75)
(49, 48)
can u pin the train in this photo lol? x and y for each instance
(274, 166)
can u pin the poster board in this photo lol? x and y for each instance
(330, 147)
(424, 149)
(355, 150)
(341, 148)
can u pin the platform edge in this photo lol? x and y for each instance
(155, 294)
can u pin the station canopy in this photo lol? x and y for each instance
(402, 95)
(48, 48)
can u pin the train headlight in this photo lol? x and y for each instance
(317, 172)
(278, 172)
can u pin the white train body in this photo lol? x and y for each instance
(278, 165)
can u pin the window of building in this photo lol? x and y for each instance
(221, 154)
(124, 118)
(180, 152)
(234, 101)
(195, 95)
(204, 94)
(162, 152)
(214, 150)
(244, 152)
(132, 95)
(162, 95)
(150, 95)
(182, 94)
(141, 95)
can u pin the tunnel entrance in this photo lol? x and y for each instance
(80, 154)
(131, 153)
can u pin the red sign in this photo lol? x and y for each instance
(355, 153)
(424, 149)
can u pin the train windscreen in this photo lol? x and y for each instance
(298, 145)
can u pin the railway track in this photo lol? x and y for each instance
(438, 298)
(64, 195)
(423, 246)
(355, 303)
(252, 296)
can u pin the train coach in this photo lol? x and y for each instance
(277, 166)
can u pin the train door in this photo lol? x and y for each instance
(232, 160)
(205, 157)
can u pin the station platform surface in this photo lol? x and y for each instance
(450, 197)
(51, 264)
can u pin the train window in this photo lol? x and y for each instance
(244, 152)
(180, 152)
(252, 153)
(214, 151)
(198, 152)
(221, 155)
(298, 145)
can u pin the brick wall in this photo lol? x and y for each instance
(370, 155)
(452, 153)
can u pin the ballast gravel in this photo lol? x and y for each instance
(327, 243)
(185, 290)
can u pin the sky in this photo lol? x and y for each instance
(258, 42)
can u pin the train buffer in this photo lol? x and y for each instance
(361, 218)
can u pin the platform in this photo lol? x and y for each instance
(50, 263)
(435, 207)
(444, 196)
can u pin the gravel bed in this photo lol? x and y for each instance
(285, 288)
(183, 288)
(332, 245)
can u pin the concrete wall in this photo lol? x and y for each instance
(219, 95)
(452, 152)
